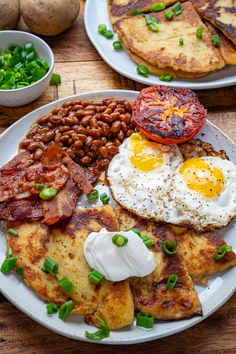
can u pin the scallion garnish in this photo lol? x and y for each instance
(199, 32)
(136, 12)
(119, 240)
(66, 284)
(152, 23)
(104, 198)
(144, 320)
(19, 271)
(39, 185)
(48, 193)
(159, 6)
(65, 309)
(169, 247)
(181, 41)
(12, 232)
(55, 79)
(216, 40)
(143, 70)
(169, 14)
(177, 7)
(93, 196)
(8, 252)
(166, 77)
(221, 252)
(102, 29)
(117, 45)
(95, 277)
(171, 282)
(51, 308)
(50, 266)
(145, 238)
(8, 264)
(104, 332)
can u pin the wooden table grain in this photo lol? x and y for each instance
(82, 70)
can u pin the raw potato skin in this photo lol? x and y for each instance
(49, 17)
(9, 14)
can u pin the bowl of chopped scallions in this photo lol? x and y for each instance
(26, 66)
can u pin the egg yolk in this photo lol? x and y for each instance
(145, 154)
(202, 178)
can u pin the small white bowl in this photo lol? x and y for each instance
(22, 96)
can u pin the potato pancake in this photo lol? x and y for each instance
(150, 293)
(119, 9)
(161, 51)
(221, 13)
(111, 301)
(227, 48)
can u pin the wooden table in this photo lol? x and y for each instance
(82, 70)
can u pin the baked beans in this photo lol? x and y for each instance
(87, 130)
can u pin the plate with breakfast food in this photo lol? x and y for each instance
(117, 214)
(191, 44)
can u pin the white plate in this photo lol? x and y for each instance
(96, 12)
(218, 291)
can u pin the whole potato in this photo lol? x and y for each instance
(49, 17)
(9, 14)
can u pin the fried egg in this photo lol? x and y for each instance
(140, 175)
(203, 193)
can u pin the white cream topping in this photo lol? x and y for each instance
(118, 263)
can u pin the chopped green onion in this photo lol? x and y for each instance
(66, 284)
(95, 277)
(50, 266)
(104, 332)
(51, 308)
(169, 14)
(177, 7)
(102, 29)
(93, 196)
(216, 40)
(154, 27)
(136, 12)
(39, 185)
(199, 32)
(221, 252)
(28, 47)
(9, 252)
(171, 282)
(137, 231)
(145, 238)
(104, 198)
(166, 77)
(144, 320)
(48, 193)
(12, 232)
(119, 240)
(19, 271)
(8, 264)
(169, 247)
(152, 23)
(65, 309)
(117, 45)
(157, 7)
(181, 41)
(143, 70)
(55, 79)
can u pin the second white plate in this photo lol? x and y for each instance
(96, 12)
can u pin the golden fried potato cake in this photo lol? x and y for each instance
(198, 250)
(30, 247)
(112, 301)
(119, 9)
(227, 48)
(161, 51)
(150, 293)
(221, 13)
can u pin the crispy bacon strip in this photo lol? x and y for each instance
(21, 210)
(62, 205)
(16, 184)
(19, 161)
(81, 176)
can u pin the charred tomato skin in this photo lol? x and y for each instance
(168, 115)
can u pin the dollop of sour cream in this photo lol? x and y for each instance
(118, 263)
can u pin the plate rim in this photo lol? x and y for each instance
(184, 84)
(128, 341)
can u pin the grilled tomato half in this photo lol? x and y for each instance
(168, 115)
